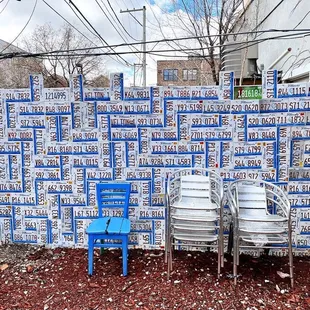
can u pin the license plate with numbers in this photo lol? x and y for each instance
(244, 106)
(242, 149)
(20, 135)
(149, 121)
(31, 108)
(121, 134)
(137, 107)
(205, 120)
(99, 174)
(299, 187)
(177, 92)
(124, 121)
(97, 94)
(293, 90)
(57, 108)
(110, 107)
(204, 92)
(47, 174)
(216, 107)
(248, 162)
(85, 135)
(164, 147)
(136, 93)
(164, 134)
(18, 95)
(189, 106)
(260, 134)
(56, 94)
(59, 187)
(273, 105)
(132, 174)
(31, 121)
(299, 175)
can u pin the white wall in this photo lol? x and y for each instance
(287, 15)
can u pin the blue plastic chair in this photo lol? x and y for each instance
(110, 195)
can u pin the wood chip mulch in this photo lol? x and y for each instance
(40, 278)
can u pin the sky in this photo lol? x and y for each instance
(14, 15)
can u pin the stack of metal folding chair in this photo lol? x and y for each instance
(261, 218)
(194, 207)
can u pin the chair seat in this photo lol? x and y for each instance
(109, 225)
(196, 238)
(264, 239)
(195, 204)
(245, 216)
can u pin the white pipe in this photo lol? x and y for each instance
(279, 58)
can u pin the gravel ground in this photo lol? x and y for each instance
(40, 278)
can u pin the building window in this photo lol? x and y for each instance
(190, 74)
(170, 74)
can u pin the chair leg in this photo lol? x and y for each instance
(101, 249)
(90, 254)
(125, 254)
(290, 254)
(219, 258)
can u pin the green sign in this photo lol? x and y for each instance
(247, 92)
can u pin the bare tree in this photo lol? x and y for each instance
(201, 19)
(56, 68)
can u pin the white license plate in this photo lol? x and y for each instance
(97, 94)
(273, 105)
(60, 187)
(293, 90)
(31, 108)
(299, 187)
(124, 121)
(177, 92)
(20, 135)
(18, 95)
(189, 106)
(242, 149)
(31, 121)
(138, 174)
(47, 162)
(260, 134)
(110, 107)
(164, 148)
(149, 120)
(124, 134)
(216, 107)
(204, 92)
(136, 93)
(58, 108)
(205, 121)
(137, 107)
(85, 148)
(248, 162)
(244, 106)
(56, 94)
(47, 174)
(11, 186)
(164, 134)
(84, 136)
(99, 174)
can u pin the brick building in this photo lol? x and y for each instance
(189, 72)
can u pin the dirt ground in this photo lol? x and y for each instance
(39, 278)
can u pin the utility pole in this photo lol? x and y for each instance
(135, 72)
(143, 39)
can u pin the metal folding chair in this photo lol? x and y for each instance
(110, 195)
(261, 218)
(194, 212)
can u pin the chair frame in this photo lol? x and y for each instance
(92, 237)
(169, 200)
(280, 200)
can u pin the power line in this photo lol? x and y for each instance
(303, 32)
(286, 36)
(81, 33)
(87, 38)
(112, 22)
(5, 6)
(71, 2)
(120, 21)
(28, 21)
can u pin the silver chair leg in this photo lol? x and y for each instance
(290, 254)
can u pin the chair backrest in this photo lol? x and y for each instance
(195, 186)
(113, 195)
(252, 198)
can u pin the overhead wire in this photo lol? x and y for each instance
(113, 25)
(92, 27)
(5, 6)
(120, 21)
(81, 33)
(22, 30)
(298, 34)
(66, 52)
